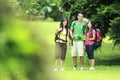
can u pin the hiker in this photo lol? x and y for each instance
(89, 44)
(61, 38)
(77, 30)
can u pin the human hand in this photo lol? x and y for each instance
(87, 38)
(83, 37)
(59, 29)
(79, 37)
(75, 37)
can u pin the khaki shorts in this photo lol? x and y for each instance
(78, 47)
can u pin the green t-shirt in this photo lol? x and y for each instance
(78, 29)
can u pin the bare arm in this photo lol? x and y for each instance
(68, 42)
(58, 30)
(71, 33)
(68, 35)
(93, 38)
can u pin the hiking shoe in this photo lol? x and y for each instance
(81, 68)
(62, 69)
(74, 68)
(92, 68)
(55, 69)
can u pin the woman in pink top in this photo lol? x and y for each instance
(90, 37)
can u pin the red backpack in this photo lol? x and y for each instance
(98, 39)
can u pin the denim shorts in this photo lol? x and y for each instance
(90, 51)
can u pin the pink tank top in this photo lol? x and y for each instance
(89, 35)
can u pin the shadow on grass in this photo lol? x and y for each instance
(108, 60)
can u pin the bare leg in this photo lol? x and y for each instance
(81, 61)
(92, 62)
(56, 63)
(75, 61)
(61, 63)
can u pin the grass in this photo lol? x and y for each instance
(107, 60)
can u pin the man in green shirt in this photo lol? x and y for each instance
(77, 31)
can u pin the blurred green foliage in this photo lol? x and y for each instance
(21, 52)
(104, 13)
(22, 49)
(37, 9)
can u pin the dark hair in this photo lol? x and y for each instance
(92, 22)
(61, 23)
(76, 14)
(80, 13)
(66, 26)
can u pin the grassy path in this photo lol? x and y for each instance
(107, 61)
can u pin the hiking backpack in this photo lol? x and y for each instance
(98, 39)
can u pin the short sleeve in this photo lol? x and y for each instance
(93, 31)
(72, 25)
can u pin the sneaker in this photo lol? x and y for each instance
(92, 68)
(55, 69)
(62, 69)
(74, 68)
(81, 68)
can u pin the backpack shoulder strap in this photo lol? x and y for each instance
(84, 28)
(74, 23)
(59, 31)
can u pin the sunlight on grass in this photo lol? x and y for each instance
(106, 40)
(87, 75)
(103, 69)
(107, 60)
